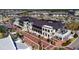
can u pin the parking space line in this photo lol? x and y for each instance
(41, 40)
(32, 41)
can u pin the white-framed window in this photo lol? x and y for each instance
(48, 35)
(45, 34)
(51, 30)
(48, 30)
(43, 29)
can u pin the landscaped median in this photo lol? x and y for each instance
(68, 42)
(75, 36)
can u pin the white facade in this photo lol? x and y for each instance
(16, 22)
(47, 31)
(63, 36)
(35, 32)
(27, 26)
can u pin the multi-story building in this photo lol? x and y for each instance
(49, 15)
(11, 12)
(39, 14)
(44, 28)
(57, 14)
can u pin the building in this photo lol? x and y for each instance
(63, 34)
(11, 12)
(62, 13)
(39, 14)
(76, 18)
(48, 15)
(44, 28)
(76, 13)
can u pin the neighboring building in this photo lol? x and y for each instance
(11, 12)
(72, 12)
(77, 13)
(16, 22)
(63, 34)
(39, 14)
(57, 14)
(76, 19)
(48, 15)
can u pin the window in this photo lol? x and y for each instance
(45, 29)
(48, 30)
(45, 34)
(52, 33)
(48, 35)
(27, 23)
(51, 30)
(56, 29)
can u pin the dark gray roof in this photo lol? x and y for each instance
(40, 23)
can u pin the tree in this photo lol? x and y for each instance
(72, 26)
(25, 13)
(3, 31)
(75, 35)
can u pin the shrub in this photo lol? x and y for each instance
(75, 35)
(3, 31)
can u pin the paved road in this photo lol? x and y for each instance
(35, 40)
